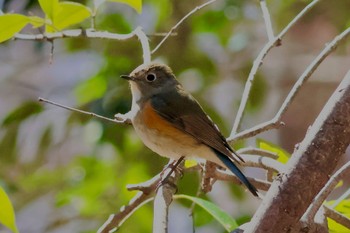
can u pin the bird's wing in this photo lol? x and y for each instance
(180, 108)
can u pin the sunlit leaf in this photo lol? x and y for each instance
(7, 214)
(340, 184)
(222, 217)
(50, 8)
(136, 4)
(283, 155)
(10, 24)
(36, 21)
(190, 163)
(70, 13)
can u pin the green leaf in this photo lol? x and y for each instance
(7, 214)
(63, 14)
(70, 13)
(136, 4)
(50, 8)
(10, 24)
(36, 21)
(222, 217)
(22, 112)
(90, 90)
(283, 156)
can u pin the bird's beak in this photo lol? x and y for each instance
(127, 77)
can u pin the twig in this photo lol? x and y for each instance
(326, 190)
(91, 33)
(256, 151)
(276, 121)
(144, 196)
(257, 63)
(338, 217)
(267, 20)
(79, 111)
(180, 22)
(227, 176)
(116, 220)
(264, 162)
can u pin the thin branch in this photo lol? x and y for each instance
(91, 33)
(267, 20)
(257, 151)
(264, 162)
(180, 22)
(326, 190)
(338, 217)
(145, 45)
(79, 111)
(116, 220)
(144, 196)
(257, 63)
(227, 176)
(276, 121)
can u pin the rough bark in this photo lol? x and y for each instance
(310, 167)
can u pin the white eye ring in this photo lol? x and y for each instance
(151, 77)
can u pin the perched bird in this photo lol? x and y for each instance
(171, 122)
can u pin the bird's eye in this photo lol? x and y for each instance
(151, 77)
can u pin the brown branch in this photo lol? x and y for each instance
(326, 190)
(310, 167)
(338, 217)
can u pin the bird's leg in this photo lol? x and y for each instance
(172, 165)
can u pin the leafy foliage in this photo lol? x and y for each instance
(7, 215)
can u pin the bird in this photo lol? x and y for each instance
(171, 122)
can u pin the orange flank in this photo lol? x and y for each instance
(153, 121)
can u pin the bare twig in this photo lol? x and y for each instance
(326, 190)
(257, 151)
(338, 217)
(116, 220)
(257, 63)
(264, 162)
(276, 121)
(79, 111)
(180, 22)
(91, 33)
(227, 176)
(267, 20)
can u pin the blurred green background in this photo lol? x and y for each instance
(65, 172)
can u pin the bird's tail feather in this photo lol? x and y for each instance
(235, 170)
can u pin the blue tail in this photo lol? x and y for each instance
(234, 169)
